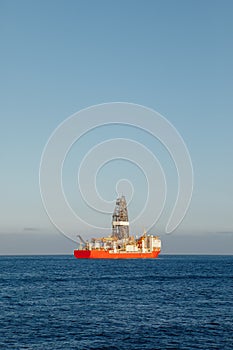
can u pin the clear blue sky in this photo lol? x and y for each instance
(58, 57)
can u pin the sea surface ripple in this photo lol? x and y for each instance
(173, 302)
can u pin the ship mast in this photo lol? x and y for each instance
(120, 223)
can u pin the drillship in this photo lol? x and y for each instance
(120, 245)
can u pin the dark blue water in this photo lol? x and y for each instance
(174, 302)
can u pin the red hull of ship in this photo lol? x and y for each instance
(103, 254)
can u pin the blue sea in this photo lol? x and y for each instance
(173, 302)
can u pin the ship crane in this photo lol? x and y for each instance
(81, 239)
(120, 221)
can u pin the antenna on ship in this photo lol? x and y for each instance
(120, 221)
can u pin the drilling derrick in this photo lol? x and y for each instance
(120, 223)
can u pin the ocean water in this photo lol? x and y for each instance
(173, 302)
